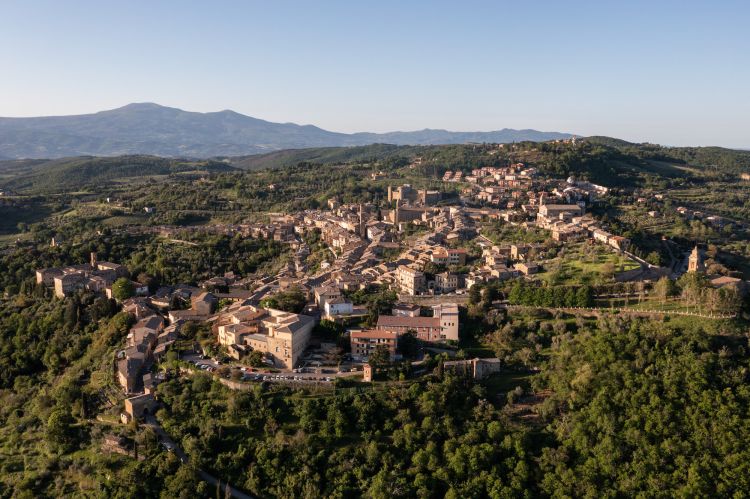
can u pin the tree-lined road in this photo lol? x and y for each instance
(207, 477)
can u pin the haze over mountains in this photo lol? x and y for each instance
(147, 128)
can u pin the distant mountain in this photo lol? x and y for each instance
(164, 131)
(438, 137)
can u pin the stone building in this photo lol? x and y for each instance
(695, 261)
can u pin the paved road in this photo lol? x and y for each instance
(165, 438)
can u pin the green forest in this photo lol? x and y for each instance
(601, 159)
(616, 407)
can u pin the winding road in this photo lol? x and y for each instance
(166, 439)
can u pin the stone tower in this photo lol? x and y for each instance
(362, 228)
(695, 262)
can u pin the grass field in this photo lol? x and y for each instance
(9, 239)
(584, 264)
(120, 220)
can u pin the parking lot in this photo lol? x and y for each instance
(309, 374)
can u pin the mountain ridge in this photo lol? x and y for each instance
(150, 128)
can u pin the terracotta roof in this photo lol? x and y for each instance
(386, 321)
(374, 333)
(151, 322)
(724, 280)
(204, 296)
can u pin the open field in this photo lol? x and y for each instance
(583, 263)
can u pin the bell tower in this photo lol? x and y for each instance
(695, 261)
(362, 228)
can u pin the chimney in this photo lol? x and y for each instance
(93, 260)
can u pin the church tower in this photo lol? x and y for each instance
(362, 228)
(695, 262)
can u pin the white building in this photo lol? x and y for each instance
(338, 307)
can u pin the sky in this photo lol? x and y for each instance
(668, 72)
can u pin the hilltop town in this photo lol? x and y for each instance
(427, 247)
(210, 310)
(380, 250)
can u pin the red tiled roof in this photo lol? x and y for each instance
(386, 321)
(723, 280)
(373, 333)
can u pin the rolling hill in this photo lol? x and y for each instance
(147, 128)
(78, 173)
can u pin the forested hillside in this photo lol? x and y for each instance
(601, 159)
(323, 155)
(78, 173)
(712, 159)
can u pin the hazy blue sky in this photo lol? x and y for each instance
(673, 72)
